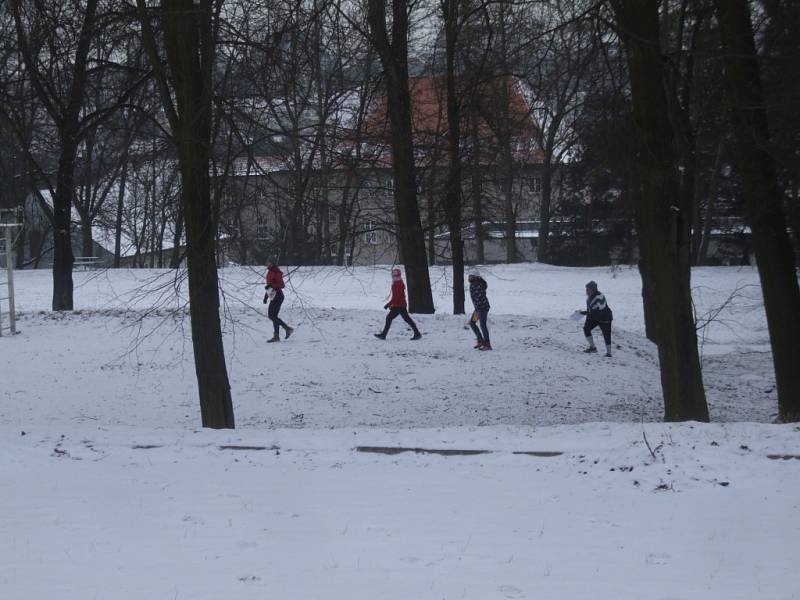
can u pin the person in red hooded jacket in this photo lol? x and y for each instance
(397, 306)
(274, 294)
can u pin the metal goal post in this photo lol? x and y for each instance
(8, 315)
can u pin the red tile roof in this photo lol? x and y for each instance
(429, 116)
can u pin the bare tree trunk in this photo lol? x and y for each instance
(477, 193)
(87, 243)
(175, 257)
(697, 221)
(431, 230)
(680, 105)
(21, 242)
(453, 194)
(120, 207)
(663, 227)
(507, 171)
(794, 212)
(394, 57)
(189, 43)
(83, 201)
(588, 242)
(543, 251)
(763, 199)
(63, 258)
(711, 202)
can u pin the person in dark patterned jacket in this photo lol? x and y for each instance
(477, 291)
(598, 314)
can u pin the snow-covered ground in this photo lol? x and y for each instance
(109, 488)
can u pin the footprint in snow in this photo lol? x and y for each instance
(510, 591)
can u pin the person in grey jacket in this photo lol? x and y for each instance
(477, 291)
(598, 314)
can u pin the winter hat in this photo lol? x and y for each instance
(591, 285)
(473, 273)
(397, 274)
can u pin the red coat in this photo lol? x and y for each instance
(275, 278)
(398, 295)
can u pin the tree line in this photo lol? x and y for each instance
(653, 117)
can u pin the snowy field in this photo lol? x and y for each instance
(109, 489)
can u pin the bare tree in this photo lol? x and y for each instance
(37, 33)
(662, 225)
(189, 41)
(763, 199)
(453, 13)
(69, 58)
(558, 85)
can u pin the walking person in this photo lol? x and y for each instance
(477, 291)
(274, 294)
(397, 306)
(598, 314)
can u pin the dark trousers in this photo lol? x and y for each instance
(274, 309)
(394, 312)
(483, 333)
(604, 327)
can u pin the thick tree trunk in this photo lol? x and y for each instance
(394, 57)
(763, 199)
(794, 215)
(663, 227)
(63, 258)
(680, 103)
(190, 51)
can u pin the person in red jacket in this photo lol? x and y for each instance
(274, 294)
(397, 306)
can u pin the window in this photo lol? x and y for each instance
(335, 250)
(390, 187)
(262, 228)
(371, 233)
(333, 215)
(535, 183)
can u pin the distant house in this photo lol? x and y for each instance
(343, 211)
